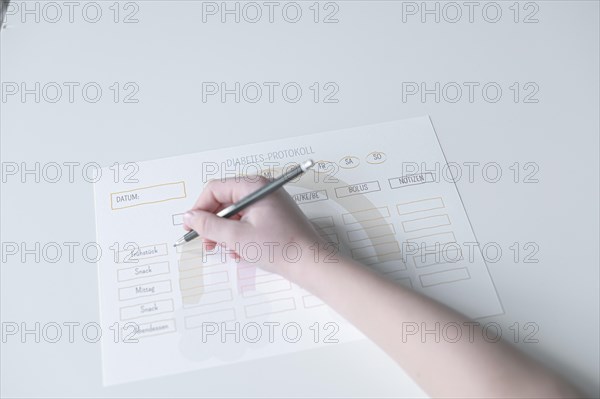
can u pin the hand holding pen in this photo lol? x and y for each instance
(252, 198)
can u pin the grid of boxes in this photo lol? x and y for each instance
(207, 284)
(430, 242)
(144, 290)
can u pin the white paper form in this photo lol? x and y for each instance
(376, 191)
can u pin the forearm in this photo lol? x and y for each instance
(374, 305)
(467, 366)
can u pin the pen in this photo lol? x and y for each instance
(252, 198)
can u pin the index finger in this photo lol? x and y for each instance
(219, 193)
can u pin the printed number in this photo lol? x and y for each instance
(134, 169)
(131, 168)
(328, 170)
(330, 89)
(529, 18)
(533, 249)
(126, 259)
(529, 337)
(128, 18)
(130, 89)
(328, 18)
(128, 337)
(530, 248)
(329, 256)
(330, 327)
(530, 89)
(531, 168)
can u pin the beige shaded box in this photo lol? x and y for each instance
(147, 195)
(204, 280)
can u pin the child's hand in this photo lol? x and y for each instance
(272, 233)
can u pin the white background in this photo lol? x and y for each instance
(368, 54)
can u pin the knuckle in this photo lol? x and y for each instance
(204, 224)
(210, 184)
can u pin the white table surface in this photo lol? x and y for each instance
(369, 53)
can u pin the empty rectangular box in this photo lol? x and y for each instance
(323, 222)
(204, 280)
(430, 240)
(429, 222)
(376, 250)
(371, 232)
(266, 287)
(270, 307)
(367, 214)
(177, 219)
(445, 255)
(207, 298)
(447, 276)
(375, 260)
(331, 238)
(420, 206)
(188, 269)
(389, 265)
(217, 316)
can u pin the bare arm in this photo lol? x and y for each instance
(465, 366)
(462, 364)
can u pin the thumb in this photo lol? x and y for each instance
(217, 229)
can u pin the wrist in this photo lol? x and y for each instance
(310, 269)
